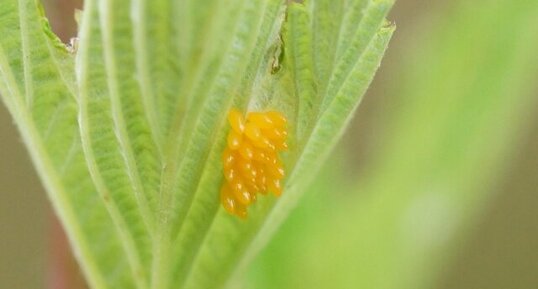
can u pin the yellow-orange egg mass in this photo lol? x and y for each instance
(251, 161)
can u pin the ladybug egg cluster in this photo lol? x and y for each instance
(251, 161)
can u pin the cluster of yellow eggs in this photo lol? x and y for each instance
(251, 161)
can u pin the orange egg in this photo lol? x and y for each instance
(271, 159)
(252, 185)
(274, 133)
(253, 132)
(277, 118)
(246, 151)
(280, 145)
(259, 155)
(235, 118)
(262, 120)
(275, 171)
(251, 161)
(247, 169)
(230, 174)
(264, 143)
(240, 211)
(275, 187)
(227, 200)
(228, 158)
(234, 140)
(262, 183)
(240, 192)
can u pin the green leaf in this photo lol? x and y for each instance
(243, 240)
(464, 94)
(37, 85)
(300, 57)
(357, 36)
(141, 112)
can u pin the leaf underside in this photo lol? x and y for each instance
(127, 132)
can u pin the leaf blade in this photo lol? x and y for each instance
(102, 149)
(66, 181)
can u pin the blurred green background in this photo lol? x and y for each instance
(435, 184)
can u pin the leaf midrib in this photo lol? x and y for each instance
(27, 62)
